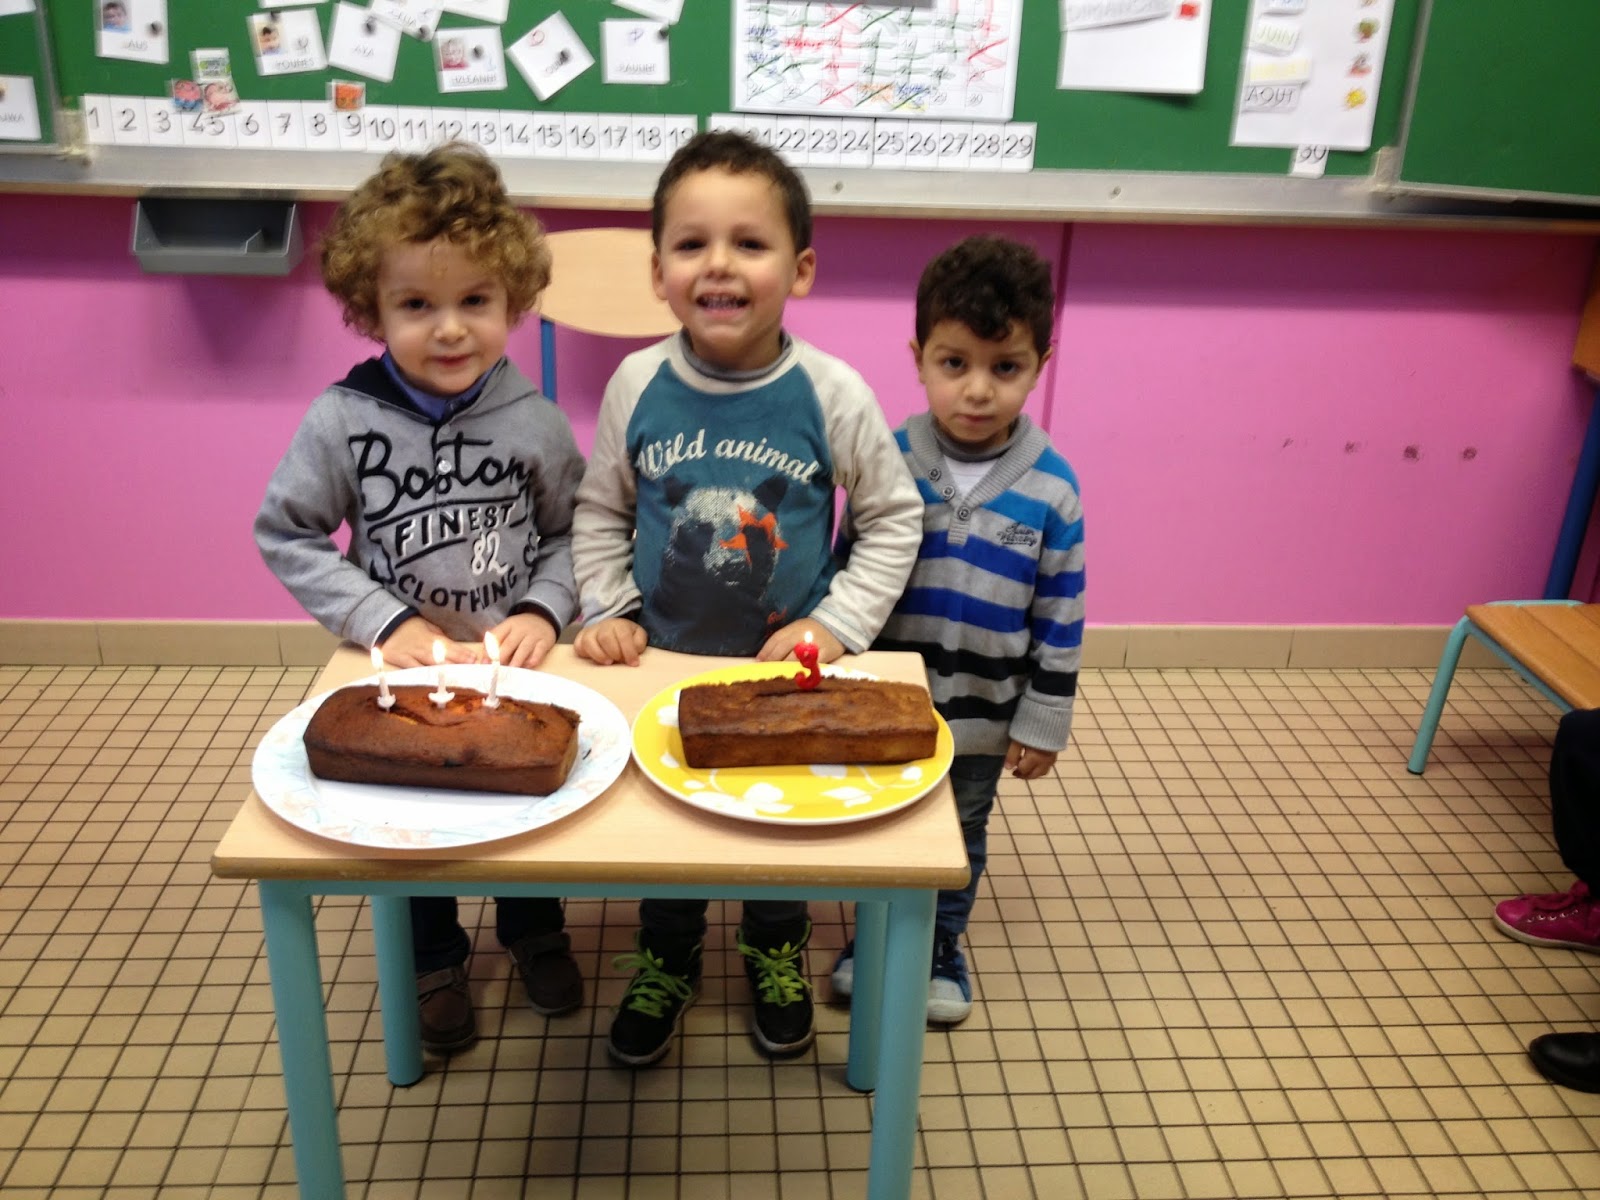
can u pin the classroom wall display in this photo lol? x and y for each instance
(985, 67)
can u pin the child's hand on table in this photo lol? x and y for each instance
(782, 643)
(411, 645)
(525, 638)
(614, 640)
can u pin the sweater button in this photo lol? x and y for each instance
(948, 492)
(936, 474)
(963, 513)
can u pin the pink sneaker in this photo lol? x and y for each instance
(1569, 919)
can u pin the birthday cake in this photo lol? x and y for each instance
(516, 746)
(774, 722)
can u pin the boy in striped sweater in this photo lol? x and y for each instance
(995, 602)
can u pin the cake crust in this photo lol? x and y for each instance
(518, 746)
(772, 722)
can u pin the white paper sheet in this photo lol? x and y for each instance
(480, 10)
(415, 18)
(360, 43)
(660, 10)
(11, 7)
(635, 52)
(953, 59)
(19, 109)
(1310, 72)
(550, 56)
(1134, 45)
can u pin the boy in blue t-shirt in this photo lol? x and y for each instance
(995, 602)
(705, 520)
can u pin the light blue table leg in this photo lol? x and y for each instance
(1436, 698)
(908, 951)
(397, 988)
(291, 938)
(866, 995)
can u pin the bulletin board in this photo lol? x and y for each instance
(1091, 154)
(1505, 102)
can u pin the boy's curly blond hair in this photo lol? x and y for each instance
(453, 192)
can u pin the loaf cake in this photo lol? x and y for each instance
(516, 746)
(773, 722)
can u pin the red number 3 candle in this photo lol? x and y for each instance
(806, 652)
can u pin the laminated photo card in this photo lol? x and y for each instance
(132, 29)
(287, 42)
(470, 60)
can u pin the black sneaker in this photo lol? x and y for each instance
(549, 972)
(652, 1008)
(783, 1024)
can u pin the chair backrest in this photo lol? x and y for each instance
(600, 284)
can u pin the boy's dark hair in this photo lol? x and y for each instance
(453, 192)
(986, 282)
(738, 154)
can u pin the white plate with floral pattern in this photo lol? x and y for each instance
(398, 818)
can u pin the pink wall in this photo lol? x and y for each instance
(1238, 403)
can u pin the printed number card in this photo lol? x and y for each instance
(362, 44)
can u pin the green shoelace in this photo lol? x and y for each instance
(778, 976)
(654, 988)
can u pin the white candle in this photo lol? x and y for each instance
(385, 696)
(439, 695)
(492, 649)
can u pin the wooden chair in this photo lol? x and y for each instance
(1553, 644)
(600, 284)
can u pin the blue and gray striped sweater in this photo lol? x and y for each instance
(995, 601)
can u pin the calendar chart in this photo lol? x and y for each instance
(954, 59)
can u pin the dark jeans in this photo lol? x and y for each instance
(974, 778)
(1575, 794)
(767, 923)
(437, 939)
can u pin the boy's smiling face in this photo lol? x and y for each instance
(727, 264)
(443, 316)
(976, 387)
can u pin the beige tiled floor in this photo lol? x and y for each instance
(1232, 950)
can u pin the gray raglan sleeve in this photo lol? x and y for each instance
(602, 529)
(885, 510)
(308, 497)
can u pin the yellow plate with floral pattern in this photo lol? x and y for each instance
(821, 794)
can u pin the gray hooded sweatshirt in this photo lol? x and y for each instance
(464, 521)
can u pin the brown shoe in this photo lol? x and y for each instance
(444, 1004)
(549, 972)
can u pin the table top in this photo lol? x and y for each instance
(633, 832)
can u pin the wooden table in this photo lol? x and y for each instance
(633, 840)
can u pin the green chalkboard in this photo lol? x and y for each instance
(1506, 101)
(1077, 130)
(23, 53)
